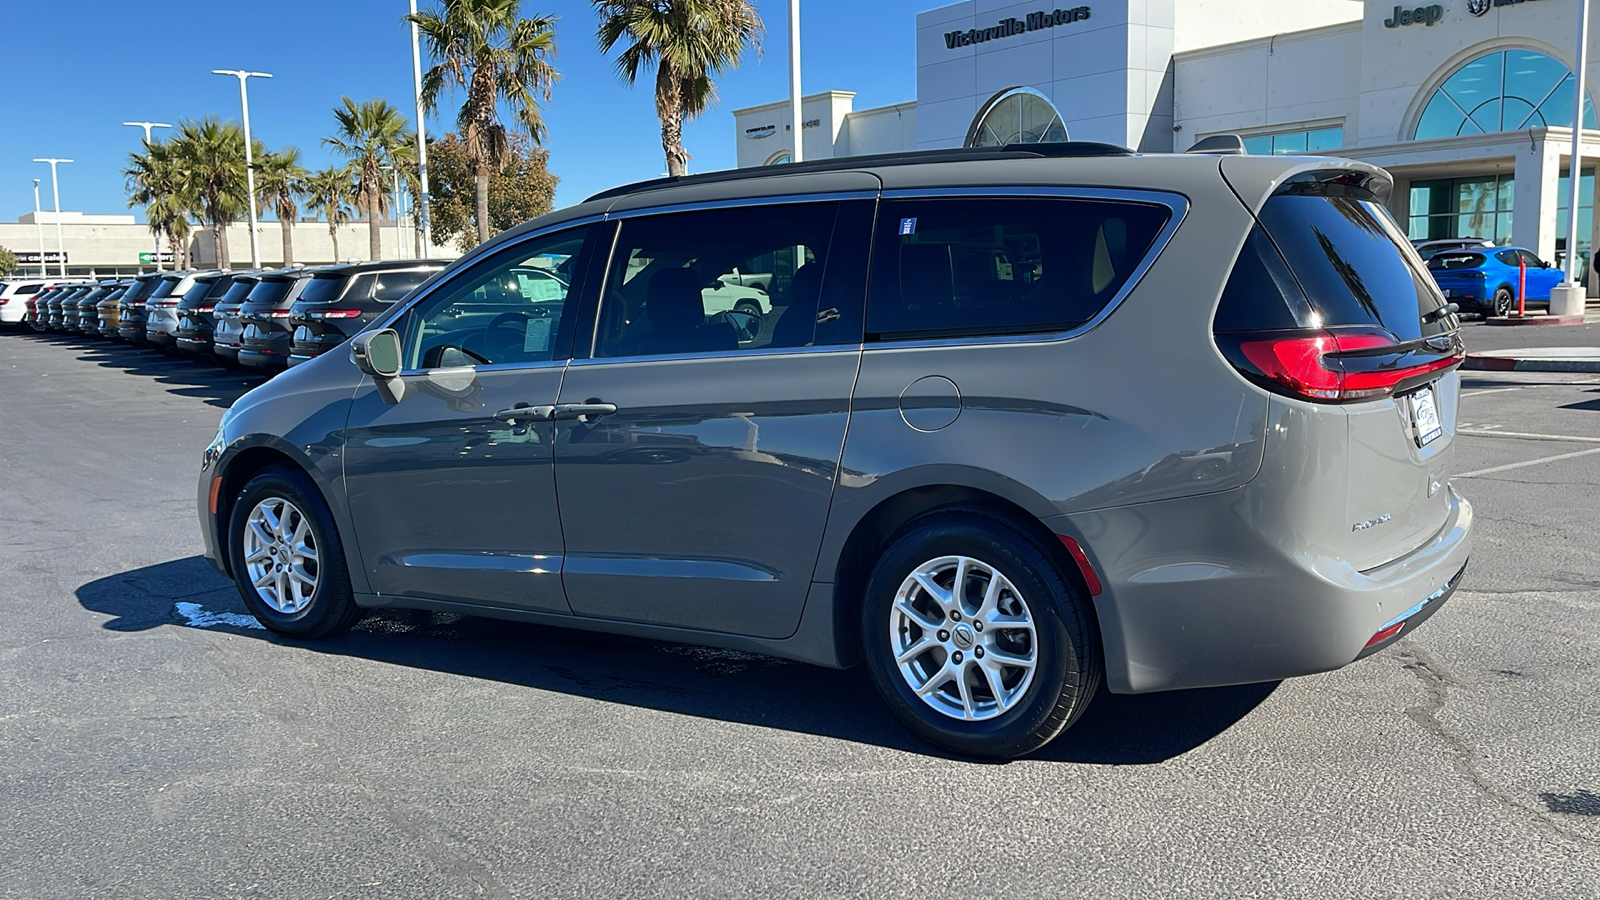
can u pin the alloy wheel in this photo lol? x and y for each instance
(963, 638)
(280, 555)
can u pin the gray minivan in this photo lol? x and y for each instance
(1016, 421)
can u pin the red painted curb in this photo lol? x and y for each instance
(1489, 364)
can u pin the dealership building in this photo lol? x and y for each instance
(1468, 103)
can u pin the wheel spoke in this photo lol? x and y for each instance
(958, 587)
(966, 694)
(305, 552)
(934, 681)
(991, 595)
(939, 594)
(257, 555)
(265, 579)
(300, 529)
(1002, 658)
(991, 672)
(927, 622)
(1002, 622)
(262, 532)
(273, 520)
(915, 650)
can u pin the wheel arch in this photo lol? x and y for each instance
(850, 566)
(244, 463)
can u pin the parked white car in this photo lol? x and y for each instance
(14, 294)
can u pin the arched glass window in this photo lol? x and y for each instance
(1507, 90)
(776, 159)
(1016, 115)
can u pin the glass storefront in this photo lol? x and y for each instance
(1585, 221)
(1462, 207)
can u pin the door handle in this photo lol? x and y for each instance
(584, 411)
(525, 413)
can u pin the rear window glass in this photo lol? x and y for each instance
(238, 291)
(165, 288)
(197, 291)
(142, 289)
(957, 267)
(1353, 263)
(219, 287)
(323, 288)
(1261, 293)
(392, 286)
(270, 292)
(1456, 261)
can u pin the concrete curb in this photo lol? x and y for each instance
(1570, 359)
(1534, 320)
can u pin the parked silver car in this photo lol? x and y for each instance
(1019, 420)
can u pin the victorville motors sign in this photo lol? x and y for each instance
(1012, 27)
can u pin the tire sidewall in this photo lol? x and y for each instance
(332, 589)
(1500, 304)
(1025, 566)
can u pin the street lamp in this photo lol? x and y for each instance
(38, 226)
(55, 188)
(1577, 295)
(394, 196)
(147, 126)
(795, 122)
(423, 219)
(249, 161)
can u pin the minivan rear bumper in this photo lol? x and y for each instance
(1196, 596)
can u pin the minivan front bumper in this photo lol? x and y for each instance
(1197, 596)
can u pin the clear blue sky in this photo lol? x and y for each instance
(89, 65)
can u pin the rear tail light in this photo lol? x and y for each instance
(333, 314)
(276, 314)
(1386, 633)
(1332, 366)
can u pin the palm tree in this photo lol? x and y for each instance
(280, 181)
(209, 155)
(330, 192)
(372, 134)
(689, 42)
(486, 47)
(154, 179)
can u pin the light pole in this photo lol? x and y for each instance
(55, 188)
(1569, 298)
(147, 126)
(794, 80)
(38, 226)
(249, 161)
(423, 219)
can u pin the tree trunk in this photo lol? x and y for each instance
(374, 231)
(288, 241)
(219, 238)
(481, 186)
(333, 234)
(669, 108)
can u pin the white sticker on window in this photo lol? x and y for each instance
(537, 338)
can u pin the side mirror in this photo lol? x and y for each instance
(377, 354)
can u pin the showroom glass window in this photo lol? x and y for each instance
(1507, 90)
(1017, 116)
(958, 267)
(1313, 142)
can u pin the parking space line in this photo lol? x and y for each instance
(1530, 436)
(1490, 391)
(1527, 462)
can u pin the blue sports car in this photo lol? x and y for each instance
(1485, 279)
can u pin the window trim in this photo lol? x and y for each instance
(1178, 210)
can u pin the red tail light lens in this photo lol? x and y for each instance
(1332, 366)
(1386, 633)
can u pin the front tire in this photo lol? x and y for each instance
(977, 637)
(287, 560)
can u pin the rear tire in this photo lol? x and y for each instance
(997, 670)
(287, 560)
(1500, 305)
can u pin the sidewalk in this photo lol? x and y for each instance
(1535, 359)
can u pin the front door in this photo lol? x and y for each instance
(452, 489)
(697, 450)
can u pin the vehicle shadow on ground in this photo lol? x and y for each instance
(716, 684)
(181, 375)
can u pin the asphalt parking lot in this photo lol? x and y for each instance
(155, 743)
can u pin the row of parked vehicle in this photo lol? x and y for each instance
(266, 319)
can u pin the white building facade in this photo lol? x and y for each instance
(1468, 103)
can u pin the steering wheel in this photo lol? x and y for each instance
(512, 328)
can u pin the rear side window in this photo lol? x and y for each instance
(959, 267)
(1508, 257)
(1353, 263)
(392, 286)
(29, 289)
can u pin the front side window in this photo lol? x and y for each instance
(716, 281)
(511, 309)
(960, 267)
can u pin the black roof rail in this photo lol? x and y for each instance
(1059, 150)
